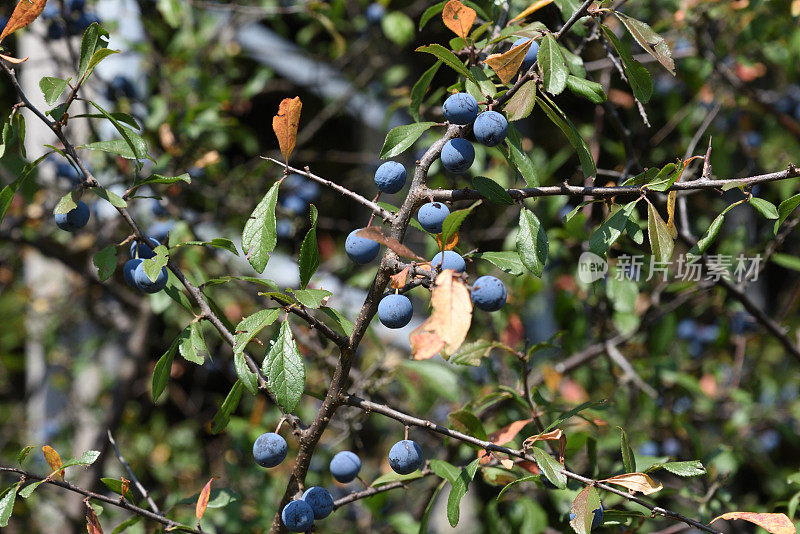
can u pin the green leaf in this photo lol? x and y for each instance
(653, 43)
(665, 177)
(472, 353)
(628, 458)
(532, 244)
(192, 346)
(468, 423)
(492, 190)
(508, 262)
(284, 369)
(120, 147)
(343, 322)
(309, 251)
(449, 59)
(87, 458)
(423, 524)
(24, 454)
(551, 63)
(7, 504)
(110, 196)
(402, 137)
(106, 262)
(94, 38)
(162, 370)
(161, 179)
(217, 242)
(764, 207)
(521, 103)
(786, 260)
(784, 209)
(246, 376)
(592, 91)
(550, 467)
(394, 477)
(115, 485)
(119, 116)
(152, 266)
(398, 28)
(67, 203)
(250, 326)
(555, 114)
(52, 88)
(312, 298)
(638, 77)
(137, 145)
(582, 510)
(223, 415)
(459, 479)
(519, 159)
(661, 241)
(508, 486)
(453, 222)
(420, 89)
(711, 234)
(430, 13)
(691, 468)
(28, 490)
(99, 56)
(259, 236)
(608, 232)
(485, 86)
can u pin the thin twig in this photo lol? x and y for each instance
(139, 486)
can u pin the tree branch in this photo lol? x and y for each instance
(369, 492)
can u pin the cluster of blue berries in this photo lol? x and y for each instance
(77, 19)
(133, 270)
(270, 449)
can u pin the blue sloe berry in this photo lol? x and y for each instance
(143, 250)
(405, 457)
(320, 501)
(449, 260)
(460, 108)
(128, 270)
(345, 466)
(395, 311)
(390, 177)
(458, 155)
(530, 55)
(297, 516)
(490, 128)
(431, 216)
(360, 249)
(269, 449)
(75, 218)
(375, 13)
(489, 293)
(143, 282)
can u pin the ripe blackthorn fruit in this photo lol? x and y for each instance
(460, 108)
(489, 293)
(75, 218)
(431, 216)
(345, 466)
(360, 249)
(449, 260)
(269, 449)
(143, 282)
(490, 128)
(390, 177)
(320, 501)
(128, 270)
(297, 516)
(458, 155)
(395, 311)
(530, 55)
(405, 457)
(143, 250)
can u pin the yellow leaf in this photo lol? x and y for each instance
(92, 523)
(447, 327)
(451, 243)
(285, 125)
(506, 65)
(671, 214)
(14, 60)
(552, 378)
(125, 484)
(25, 13)
(539, 4)
(458, 17)
(202, 500)
(53, 459)
(398, 281)
(773, 523)
(636, 482)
